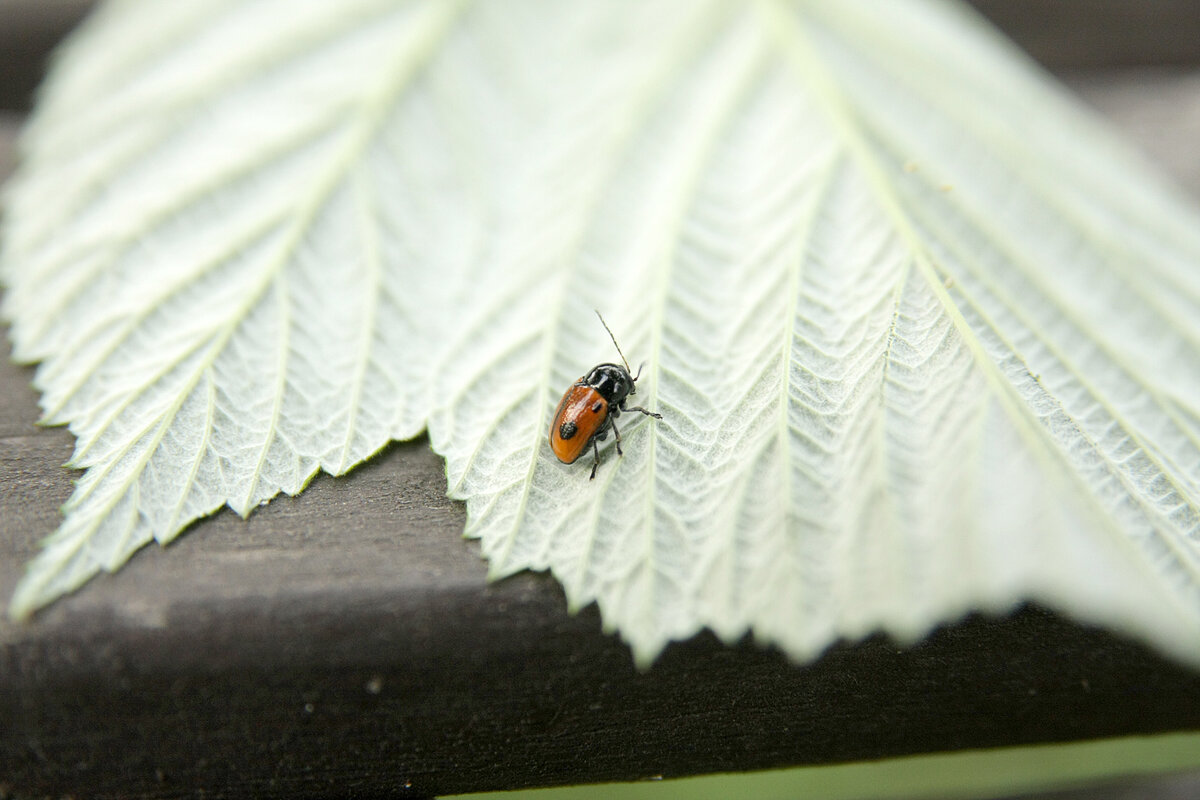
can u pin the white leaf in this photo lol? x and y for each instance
(924, 339)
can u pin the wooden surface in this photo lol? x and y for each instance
(29, 29)
(1087, 34)
(344, 643)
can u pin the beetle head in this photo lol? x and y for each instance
(611, 381)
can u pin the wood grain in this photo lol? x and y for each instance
(344, 642)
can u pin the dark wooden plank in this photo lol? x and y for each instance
(344, 642)
(1086, 34)
(29, 30)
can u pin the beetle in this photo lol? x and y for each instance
(591, 406)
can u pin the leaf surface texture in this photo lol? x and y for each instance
(924, 337)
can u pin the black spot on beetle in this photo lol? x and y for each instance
(567, 430)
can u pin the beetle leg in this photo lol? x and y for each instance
(617, 433)
(596, 463)
(644, 411)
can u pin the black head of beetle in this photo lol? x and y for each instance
(612, 382)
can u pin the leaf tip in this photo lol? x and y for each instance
(19, 613)
(644, 655)
(27, 598)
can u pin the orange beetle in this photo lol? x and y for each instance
(591, 406)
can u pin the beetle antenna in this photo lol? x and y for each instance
(614, 341)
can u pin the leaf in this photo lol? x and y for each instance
(923, 336)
